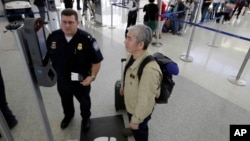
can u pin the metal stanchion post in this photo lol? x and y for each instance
(5, 129)
(216, 33)
(158, 44)
(111, 27)
(185, 24)
(58, 16)
(236, 80)
(186, 57)
(138, 11)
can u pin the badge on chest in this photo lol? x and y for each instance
(79, 46)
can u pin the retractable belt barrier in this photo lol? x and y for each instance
(211, 29)
(233, 79)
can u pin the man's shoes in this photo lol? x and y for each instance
(86, 125)
(65, 122)
(127, 132)
(12, 123)
(79, 8)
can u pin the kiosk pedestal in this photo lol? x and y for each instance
(31, 41)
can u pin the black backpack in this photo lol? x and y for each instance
(167, 83)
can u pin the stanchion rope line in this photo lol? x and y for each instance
(212, 29)
(117, 4)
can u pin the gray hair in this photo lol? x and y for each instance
(142, 33)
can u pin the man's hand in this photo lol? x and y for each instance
(87, 81)
(121, 91)
(133, 125)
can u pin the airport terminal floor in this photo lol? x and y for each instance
(202, 107)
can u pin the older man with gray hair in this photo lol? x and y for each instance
(139, 95)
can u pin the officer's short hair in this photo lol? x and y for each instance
(151, 0)
(142, 33)
(69, 12)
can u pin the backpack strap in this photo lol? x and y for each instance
(143, 64)
(130, 62)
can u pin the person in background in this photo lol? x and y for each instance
(227, 13)
(238, 6)
(41, 7)
(189, 4)
(171, 3)
(139, 96)
(223, 4)
(68, 3)
(89, 4)
(216, 4)
(151, 15)
(204, 9)
(246, 7)
(7, 113)
(78, 5)
(178, 14)
(132, 14)
(76, 57)
(162, 19)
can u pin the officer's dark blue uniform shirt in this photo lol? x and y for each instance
(77, 55)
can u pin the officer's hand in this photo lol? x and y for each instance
(87, 81)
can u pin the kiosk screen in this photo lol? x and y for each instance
(42, 42)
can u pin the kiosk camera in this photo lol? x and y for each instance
(34, 40)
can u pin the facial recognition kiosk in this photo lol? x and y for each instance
(34, 38)
(31, 40)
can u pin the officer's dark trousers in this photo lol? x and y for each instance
(78, 4)
(68, 3)
(131, 20)
(82, 94)
(142, 133)
(7, 113)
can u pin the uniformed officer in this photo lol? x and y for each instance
(76, 57)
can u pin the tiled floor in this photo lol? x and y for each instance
(207, 73)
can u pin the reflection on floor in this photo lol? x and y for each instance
(202, 107)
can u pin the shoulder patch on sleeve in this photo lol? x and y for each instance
(96, 46)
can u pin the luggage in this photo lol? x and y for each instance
(119, 100)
